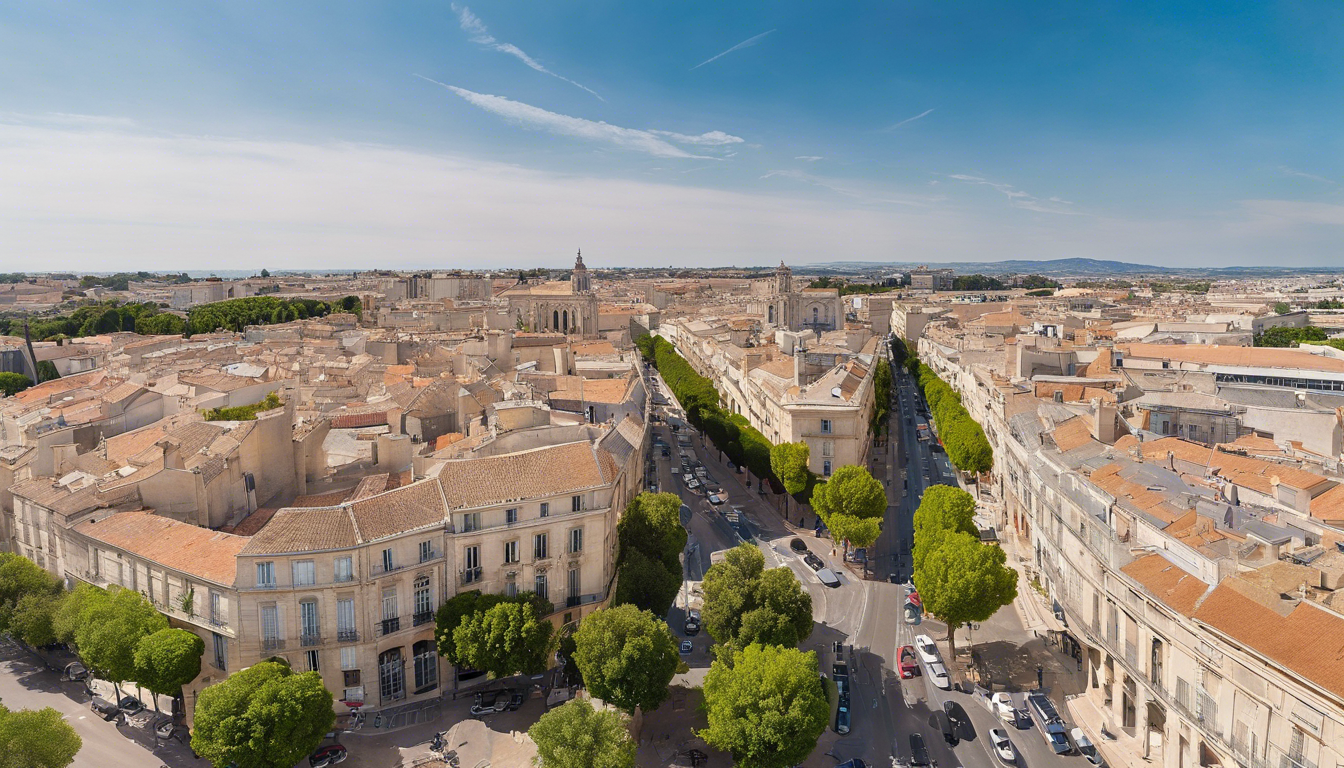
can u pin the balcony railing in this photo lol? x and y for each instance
(272, 644)
(432, 555)
(347, 635)
(422, 618)
(471, 575)
(310, 640)
(381, 568)
(388, 626)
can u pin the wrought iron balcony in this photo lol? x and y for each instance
(347, 635)
(424, 617)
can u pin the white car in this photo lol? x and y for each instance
(938, 674)
(1003, 748)
(1001, 704)
(828, 577)
(928, 652)
(1086, 747)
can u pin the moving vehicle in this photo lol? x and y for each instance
(813, 562)
(948, 728)
(914, 609)
(328, 756)
(1003, 748)
(909, 664)
(1085, 747)
(842, 717)
(938, 674)
(828, 577)
(956, 716)
(928, 652)
(798, 546)
(491, 702)
(687, 646)
(919, 754)
(1052, 726)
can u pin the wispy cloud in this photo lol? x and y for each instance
(853, 190)
(808, 158)
(710, 139)
(66, 119)
(1019, 199)
(1291, 172)
(537, 118)
(473, 26)
(750, 41)
(923, 114)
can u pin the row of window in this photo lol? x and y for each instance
(303, 573)
(541, 549)
(310, 624)
(471, 521)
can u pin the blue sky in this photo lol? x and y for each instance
(484, 134)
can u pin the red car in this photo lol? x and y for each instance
(909, 665)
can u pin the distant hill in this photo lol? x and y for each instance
(1073, 267)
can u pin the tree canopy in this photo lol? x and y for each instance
(507, 639)
(767, 707)
(465, 604)
(789, 463)
(110, 628)
(167, 660)
(20, 578)
(966, 444)
(265, 716)
(626, 656)
(12, 383)
(963, 580)
(851, 503)
(745, 603)
(577, 736)
(36, 739)
(651, 540)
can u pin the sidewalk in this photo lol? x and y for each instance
(1119, 748)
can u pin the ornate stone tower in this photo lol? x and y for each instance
(579, 279)
(783, 279)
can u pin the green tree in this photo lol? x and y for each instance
(652, 525)
(946, 508)
(853, 502)
(746, 603)
(646, 583)
(110, 630)
(1282, 308)
(854, 531)
(33, 618)
(626, 656)
(789, 463)
(21, 578)
(69, 616)
(962, 580)
(38, 738)
(46, 371)
(265, 716)
(265, 273)
(167, 660)
(767, 707)
(507, 639)
(467, 604)
(1289, 337)
(12, 383)
(577, 736)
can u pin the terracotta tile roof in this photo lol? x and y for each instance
(549, 471)
(1167, 582)
(1154, 503)
(304, 530)
(1308, 640)
(1242, 470)
(48, 389)
(369, 486)
(418, 505)
(172, 544)
(1074, 433)
(596, 391)
(1329, 506)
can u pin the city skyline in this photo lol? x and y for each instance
(469, 135)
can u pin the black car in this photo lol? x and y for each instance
(956, 716)
(798, 545)
(919, 754)
(129, 705)
(813, 562)
(948, 726)
(108, 710)
(491, 702)
(842, 717)
(327, 756)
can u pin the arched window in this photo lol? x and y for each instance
(814, 314)
(426, 666)
(555, 320)
(565, 317)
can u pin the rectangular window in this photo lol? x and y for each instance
(217, 613)
(345, 620)
(221, 652)
(540, 547)
(825, 426)
(266, 575)
(576, 540)
(826, 468)
(387, 559)
(389, 604)
(574, 585)
(311, 658)
(576, 504)
(308, 624)
(423, 602)
(541, 589)
(343, 569)
(426, 551)
(270, 623)
(304, 573)
(510, 552)
(511, 589)
(349, 657)
(511, 515)
(471, 521)
(545, 509)
(827, 448)
(471, 556)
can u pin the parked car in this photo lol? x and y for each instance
(326, 756)
(1052, 725)
(914, 609)
(828, 577)
(693, 622)
(798, 546)
(909, 664)
(928, 652)
(938, 674)
(108, 710)
(853, 763)
(813, 562)
(919, 754)
(1003, 748)
(129, 705)
(1085, 747)
(716, 499)
(842, 717)
(956, 716)
(1001, 704)
(491, 702)
(687, 646)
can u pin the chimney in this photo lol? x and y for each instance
(172, 455)
(1171, 461)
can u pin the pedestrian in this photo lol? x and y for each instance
(1040, 677)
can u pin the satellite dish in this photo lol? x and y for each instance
(835, 392)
